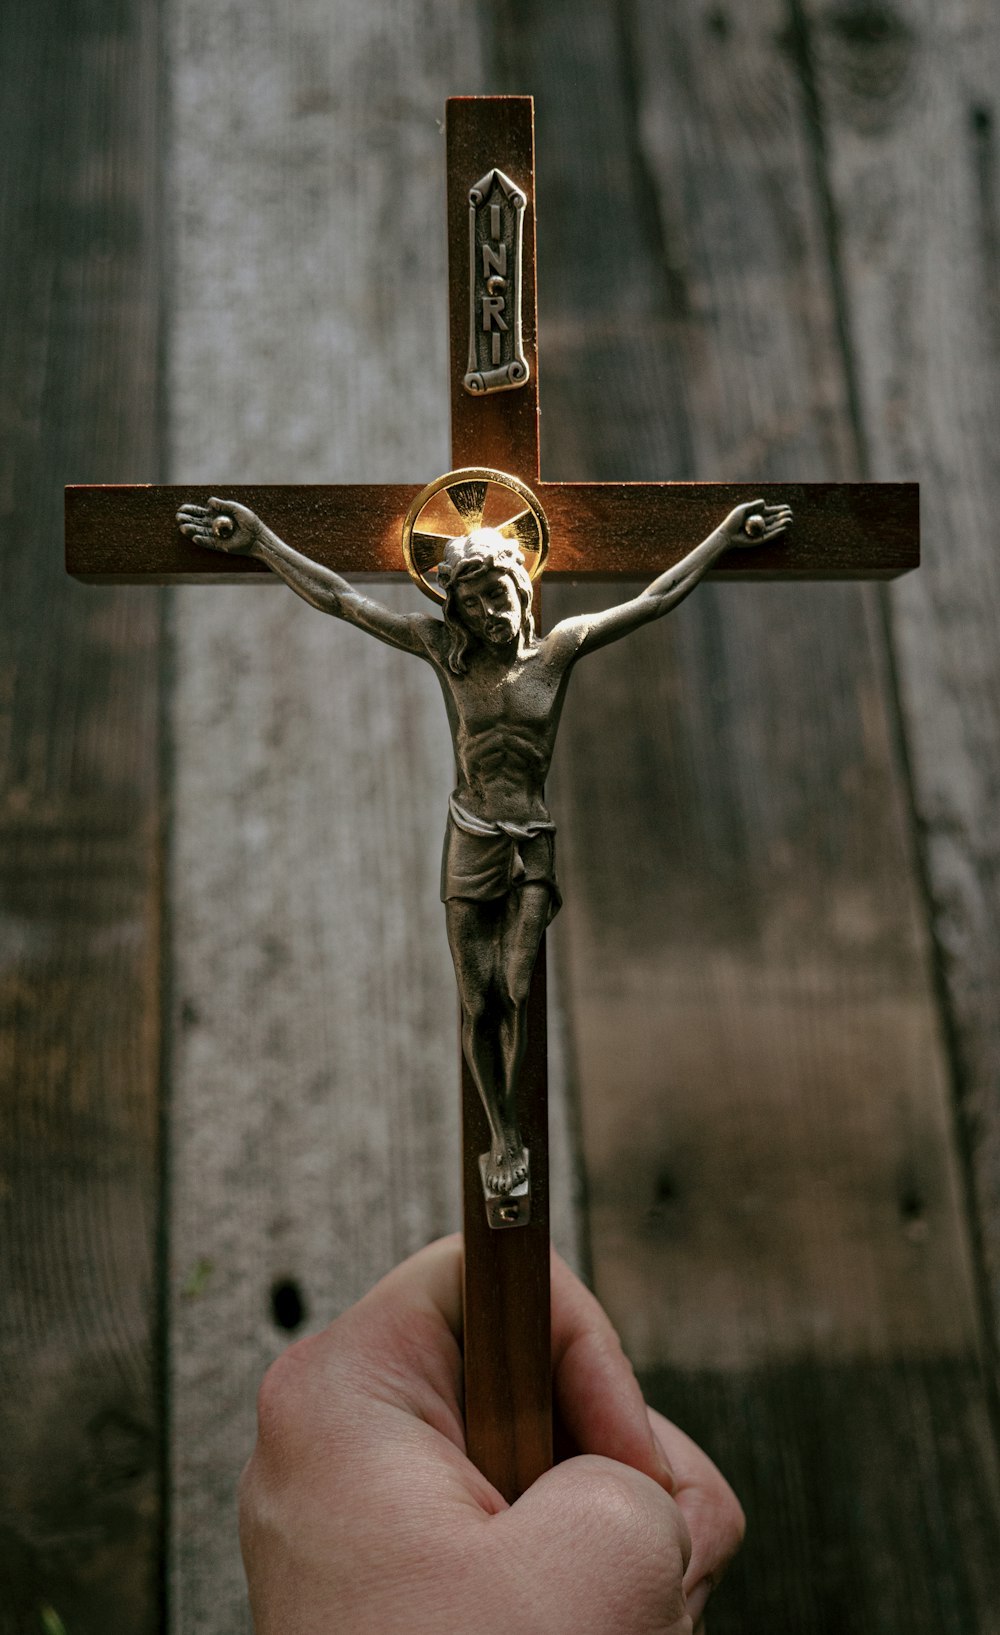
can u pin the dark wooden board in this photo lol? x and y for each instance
(837, 1556)
(80, 1423)
(910, 117)
(777, 1214)
(599, 530)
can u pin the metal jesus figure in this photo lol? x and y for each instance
(503, 688)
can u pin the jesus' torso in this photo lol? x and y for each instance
(504, 713)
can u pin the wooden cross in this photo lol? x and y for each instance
(127, 534)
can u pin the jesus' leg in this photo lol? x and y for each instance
(474, 937)
(525, 921)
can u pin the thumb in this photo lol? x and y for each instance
(599, 1546)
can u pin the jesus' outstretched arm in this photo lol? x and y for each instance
(751, 524)
(209, 525)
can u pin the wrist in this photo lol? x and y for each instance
(264, 543)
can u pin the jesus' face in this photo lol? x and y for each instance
(490, 607)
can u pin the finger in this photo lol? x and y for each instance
(597, 1396)
(710, 1507)
(598, 1401)
(401, 1342)
(192, 512)
(380, 1389)
(602, 1547)
(430, 1279)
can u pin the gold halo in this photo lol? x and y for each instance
(467, 489)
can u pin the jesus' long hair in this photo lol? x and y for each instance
(466, 558)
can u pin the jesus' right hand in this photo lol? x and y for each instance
(222, 525)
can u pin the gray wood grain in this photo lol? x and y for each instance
(79, 752)
(314, 1131)
(910, 108)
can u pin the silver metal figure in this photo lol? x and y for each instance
(503, 689)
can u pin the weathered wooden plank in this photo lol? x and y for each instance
(835, 1555)
(765, 1113)
(599, 530)
(913, 174)
(315, 1074)
(79, 864)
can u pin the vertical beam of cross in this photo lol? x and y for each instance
(508, 1382)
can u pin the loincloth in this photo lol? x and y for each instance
(484, 861)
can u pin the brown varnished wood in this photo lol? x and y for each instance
(508, 1370)
(599, 530)
(508, 1389)
(636, 530)
(129, 534)
(500, 429)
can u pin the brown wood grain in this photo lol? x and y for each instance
(500, 428)
(600, 531)
(80, 1421)
(507, 1342)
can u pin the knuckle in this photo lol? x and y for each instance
(279, 1398)
(648, 1535)
(644, 1523)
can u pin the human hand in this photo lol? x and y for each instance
(360, 1512)
(755, 523)
(221, 525)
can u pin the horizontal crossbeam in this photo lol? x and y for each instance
(128, 535)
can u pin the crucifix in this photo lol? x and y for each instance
(476, 541)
